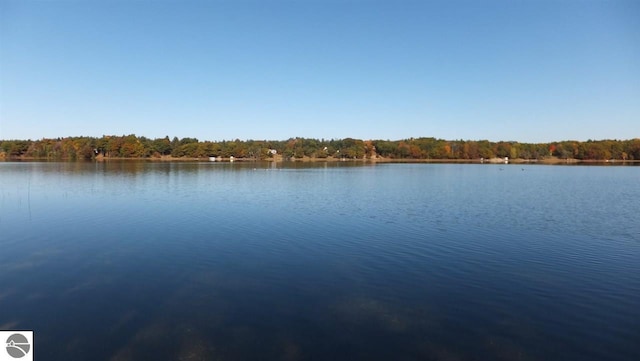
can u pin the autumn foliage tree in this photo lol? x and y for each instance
(132, 146)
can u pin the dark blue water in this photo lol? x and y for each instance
(209, 261)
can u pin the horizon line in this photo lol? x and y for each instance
(320, 139)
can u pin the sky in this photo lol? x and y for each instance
(513, 70)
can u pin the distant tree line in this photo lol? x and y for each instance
(132, 146)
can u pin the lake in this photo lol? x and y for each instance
(321, 261)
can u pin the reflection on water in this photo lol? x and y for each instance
(215, 261)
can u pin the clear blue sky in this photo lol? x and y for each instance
(530, 71)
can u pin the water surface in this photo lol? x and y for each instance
(327, 261)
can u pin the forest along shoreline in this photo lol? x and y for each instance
(420, 150)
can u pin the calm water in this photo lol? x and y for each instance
(208, 261)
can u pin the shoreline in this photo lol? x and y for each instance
(280, 159)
